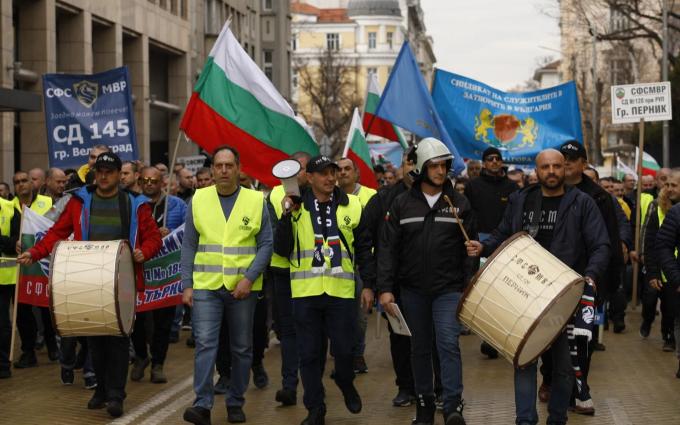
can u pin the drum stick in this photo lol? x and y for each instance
(16, 297)
(455, 214)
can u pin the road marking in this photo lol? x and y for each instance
(154, 402)
(618, 412)
(169, 410)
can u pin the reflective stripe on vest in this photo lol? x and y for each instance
(8, 269)
(304, 282)
(275, 197)
(226, 248)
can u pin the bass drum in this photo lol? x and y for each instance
(92, 288)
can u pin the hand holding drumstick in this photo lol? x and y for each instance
(474, 248)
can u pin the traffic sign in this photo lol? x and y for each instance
(634, 102)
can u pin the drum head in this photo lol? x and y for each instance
(286, 169)
(126, 295)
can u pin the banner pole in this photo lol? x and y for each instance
(172, 176)
(16, 297)
(638, 223)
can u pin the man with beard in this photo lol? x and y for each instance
(570, 226)
(422, 251)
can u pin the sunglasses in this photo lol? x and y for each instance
(149, 180)
(492, 158)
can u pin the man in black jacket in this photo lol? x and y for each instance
(422, 251)
(488, 194)
(572, 229)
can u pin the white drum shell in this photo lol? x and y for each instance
(92, 288)
(521, 299)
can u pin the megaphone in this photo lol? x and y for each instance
(287, 171)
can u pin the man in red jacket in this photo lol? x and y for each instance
(102, 212)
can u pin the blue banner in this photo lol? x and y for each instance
(520, 125)
(82, 111)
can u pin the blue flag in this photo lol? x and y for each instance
(406, 102)
(520, 125)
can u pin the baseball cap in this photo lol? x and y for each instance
(107, 160)
(573, 149)
(319, 163)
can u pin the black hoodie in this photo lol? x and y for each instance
(489, 196)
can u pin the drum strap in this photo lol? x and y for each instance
(533, 202)
(124, 207)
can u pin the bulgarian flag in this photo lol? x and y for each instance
(649, 164)
(235, 104)
(356, 149)
(33, 279)
(375, 125)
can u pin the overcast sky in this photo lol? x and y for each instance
(496, 42)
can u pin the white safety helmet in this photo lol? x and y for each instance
(428, 149)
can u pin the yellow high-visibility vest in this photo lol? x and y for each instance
(365, 194)
(226, 247)
(8, 269)
(41, 204)
(306, 283)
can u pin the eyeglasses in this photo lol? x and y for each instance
(149, 180)
(492, 158)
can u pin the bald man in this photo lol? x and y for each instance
(648, 184)
(37, 176)
(566, 222)
(55, 184)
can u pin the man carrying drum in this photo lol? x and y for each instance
(566, 222)
(102, 212)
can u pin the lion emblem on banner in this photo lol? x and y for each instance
(505, 130)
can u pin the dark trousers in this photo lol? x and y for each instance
(260, 338)
(400, 349)
(285, 327)
(337, 317)
(617, 302)
(649, 300)
(110, 358)
(28, 328)
(69, 357)
(162, 319)
(6, 295)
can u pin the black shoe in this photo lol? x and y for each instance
(316, 416)
(191, 342)
(645, 328)
(360, 365)
(455, 417)
(197, 415)
(90, 382)
(96, 402)
(67, 377)
(352, 399)
(138, 368)
(26, 360)
(488, 351)
(599, 347)
(425, 410)
(619, 326)
(173, 338)
(235, 415)
(286, 397)
(260, 377)
(668, 346)
(404, 398)
(114, 408)
(5, 373)
(222, 385)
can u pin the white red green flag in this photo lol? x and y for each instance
(33, 279)
(356, 149)
(234, 103)
(649, 164)
(375, 125)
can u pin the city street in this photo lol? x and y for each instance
(632, 382)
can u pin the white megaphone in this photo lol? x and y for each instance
(287, 171)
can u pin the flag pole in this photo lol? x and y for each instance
(172, 176)
(638, 224)
(16, 297)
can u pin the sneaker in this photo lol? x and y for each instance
(352, 399)
(668, 346)
(584, 407)
(315, 416)
(186, 327)
(5, 373)
(157, 375)
(96, 402)
(222, 385)
(191, 342)
(544, 393)
(26, 360)
(488, 351)
(404, 398)
(360, 365)
(455, 417)
(260, 377)
(235, 415)
(645, 328)
(90, 382)
(286, 397)
(197, 415)
(114, 408)
(619, 326)
(67, 377)
(138, 368)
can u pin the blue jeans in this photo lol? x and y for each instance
(286, 329)
(423, 313)
(206, 318)
(68, 356)
(561, 386)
